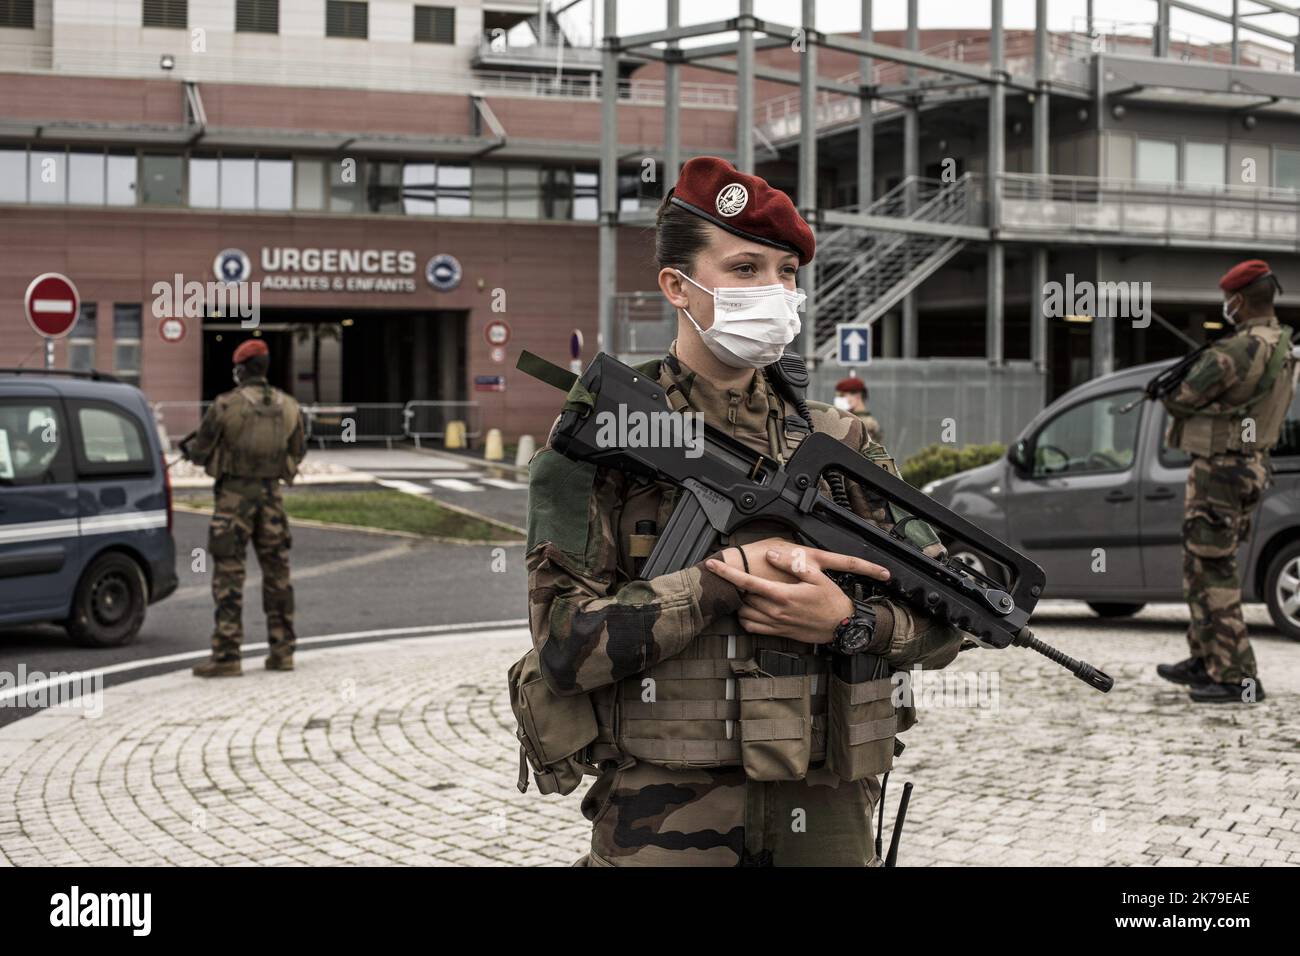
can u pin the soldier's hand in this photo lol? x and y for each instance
(807, 610)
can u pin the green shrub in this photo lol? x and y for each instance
(939, 461)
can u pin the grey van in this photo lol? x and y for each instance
(85, 505)
(1096, 498)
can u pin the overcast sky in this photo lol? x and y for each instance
(844, 15)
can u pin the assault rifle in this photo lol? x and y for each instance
(726, 485)
(1167, 381)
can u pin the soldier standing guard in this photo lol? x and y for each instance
(851, 396)
(1228, 414)
(249, 441)
(706, 757)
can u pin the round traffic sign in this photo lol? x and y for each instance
(171, 329)
(497, 332)
(51, 303)
(498, 354)
(575, 344)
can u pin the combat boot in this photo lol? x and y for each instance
(1215, 693)
(1190, 671)
(279, 662)
(215, 668)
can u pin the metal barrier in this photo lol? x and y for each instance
(343, 422)
(355, 421)
(428, 419)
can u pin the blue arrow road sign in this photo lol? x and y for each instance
(854, 343)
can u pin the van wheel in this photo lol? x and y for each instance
(1282, 587)
(1114, 609)
(108, 607)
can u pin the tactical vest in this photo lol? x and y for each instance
(1265, 402)
(711, 705)
(258, 423)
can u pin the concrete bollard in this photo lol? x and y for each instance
(455, 435)
(524, 453)
(494, 449)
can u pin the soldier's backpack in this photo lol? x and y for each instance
(256, 436)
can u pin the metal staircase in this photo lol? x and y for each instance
(865, 272)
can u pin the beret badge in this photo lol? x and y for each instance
(731, 200)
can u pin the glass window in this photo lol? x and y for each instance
(111, 437)
(126, 342)
(524, 192)
(81, 340)
(309, 184)
(160, 180)
(629, 192)
(586, 196)
(205, 192)
(419, 189)
(275, 184)
(454, 190)
(165, 13)
(31, 444)
(345, 186)
(1088, 438)
(257, 16)
(346, 18)
(1206, 163)
(1157, 161)
(86, 178)
(121, 179)
(238, 183)
(1286, 171)
(489, 190)
(19, 14)
(558, 193)
(384, 187)
(13, 175)
(47, 179)
(435, 24)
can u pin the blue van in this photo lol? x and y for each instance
(85, 505)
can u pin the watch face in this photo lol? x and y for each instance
(854, 638)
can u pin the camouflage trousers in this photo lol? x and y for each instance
(1222, 493)
(250, 509)
(650, 816)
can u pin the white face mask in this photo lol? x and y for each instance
(844, 403)
(752, 325)
(1230, 315)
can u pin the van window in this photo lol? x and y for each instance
(112, 441)
(33, 449)
(1089, 438)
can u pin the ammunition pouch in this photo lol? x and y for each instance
(553, 730)
(861, 728)
(775, 723)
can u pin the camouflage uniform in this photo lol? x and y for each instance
(1226, 479)
(595, 626)
(248, 508)
(872, 425)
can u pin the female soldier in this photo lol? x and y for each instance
(705, 758)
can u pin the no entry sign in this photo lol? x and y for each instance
(51, 303)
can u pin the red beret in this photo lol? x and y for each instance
(850, 385)
(248, 349)
(1243, 274)
(743, 205)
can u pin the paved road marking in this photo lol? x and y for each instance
(455, 484)
(503, 483)
(409, 487)
(468, 629)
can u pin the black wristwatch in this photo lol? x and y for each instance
(854, 634)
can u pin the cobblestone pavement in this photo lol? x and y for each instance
(401, 752)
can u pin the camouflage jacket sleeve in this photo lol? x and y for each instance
(207, 437)
(591, 625)
(298, 441)
(904, 635)
(1221, 367)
